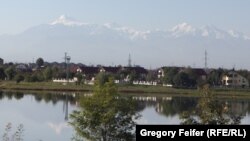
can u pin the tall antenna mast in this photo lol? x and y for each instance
(129, 61)
(205, 59)
(67, 60)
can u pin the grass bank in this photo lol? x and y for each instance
(144, 90)
(50, 86)
(43, 86)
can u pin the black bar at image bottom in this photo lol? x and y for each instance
(194, 132)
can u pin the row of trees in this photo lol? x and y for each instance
(185, 78)
(189, 78)
(39, 74)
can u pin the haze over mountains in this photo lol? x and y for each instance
(111, 44)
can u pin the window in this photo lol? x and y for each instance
(224, 82)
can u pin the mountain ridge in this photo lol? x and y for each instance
(110, 43)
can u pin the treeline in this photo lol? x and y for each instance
(179, 77)
(192, 78)
(31, 72)
(46, 74)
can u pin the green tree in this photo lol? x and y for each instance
(169, 74)
(181, 80)
(2, 74)
(214, 77)
(34, 77)
(10, 72)
(80, 79)
(105, 115)
(27, 78)
(121, 74)
(151, 76)
(18, 78)
(210, 111)
(132, 76)
(55, 72)
(48, 73)
(102, 77)
(193, 78)
(39, 62)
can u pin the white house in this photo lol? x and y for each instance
(235, 80)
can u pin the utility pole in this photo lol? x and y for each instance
(67, 60)
(205, 59)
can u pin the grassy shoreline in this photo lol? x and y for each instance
(143, 90)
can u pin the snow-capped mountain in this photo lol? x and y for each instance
(110, 43)
(182, 29)
(114, 30)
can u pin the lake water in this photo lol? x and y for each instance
(45, 116)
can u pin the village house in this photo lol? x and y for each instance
(233, 79)
(122, 73)
(89, 73)
(201, 73)
(112, 70)
(139, 71)
(162, 71)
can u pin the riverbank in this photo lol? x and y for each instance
(145, 90)
(50, 86)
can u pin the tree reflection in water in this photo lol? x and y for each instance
(105, 116)
(210, 111)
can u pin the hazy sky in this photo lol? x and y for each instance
(18, 15)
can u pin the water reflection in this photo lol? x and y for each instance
(58, 127)
(163, 105)
(44, 115)
(210, 110)
(166, 105)
(176, 106)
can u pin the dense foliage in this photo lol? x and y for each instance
(210, 111)
(105, 115)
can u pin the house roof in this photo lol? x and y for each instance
(199, 71)
(139, 70)
(171, 67)
(89, 70)
(111, 69)
(95, 70)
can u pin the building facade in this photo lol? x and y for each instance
(233, 79)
